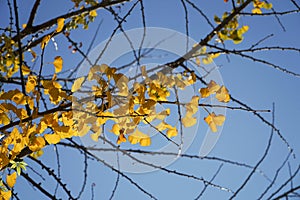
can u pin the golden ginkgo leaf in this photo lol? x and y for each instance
(121, 139)
(222, 95)
(45, 41)
(189, 121)
(58, 63)
(77, 84)
(211, 88)
(60, 24)
(52, 138)
(172, 132)
(214, 120)
(11, 179)
(139, 137)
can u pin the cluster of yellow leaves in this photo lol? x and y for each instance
(258, 5)
(231, 31)
(208, 57)
(54, 90)
(221, 92)
(191, 109)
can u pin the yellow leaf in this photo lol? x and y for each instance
(37, 144)
(24, 26)
(139, 137)
(58, 63)
(31, 83)
(207, 60)
(256, 11)
(95, 136)
(25, 70)
(83, 130)
(45, 41)
(19, 98)
(77, 84)
(93, 13)
(115, 129)
(189, 121)
(11, 179)
(214, 120)
(145, 142)
(267, 6)
(211, 88)
(5, 195)
(222, 95)
(4, 119)
(121, 139)
(60, 24)
(52, 138)
(192, 106)
(172, 132)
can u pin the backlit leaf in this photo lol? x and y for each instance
(45, 41)
(222, 95)
(60, 24)
(11, 179)
(58, 63)
(77, 84)
(52, 138)
(214, 120)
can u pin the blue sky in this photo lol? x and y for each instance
(244, 136)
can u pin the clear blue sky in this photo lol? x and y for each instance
(244, 136)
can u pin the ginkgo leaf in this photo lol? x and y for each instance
(4, 119)
(45, 41)
(93, 13)
(211, 88)
(31, 83)
(115, 129)
(214, 120)
(58, 63)
(19, 98)
(5, 195)
(52, 138)
(192, 106)
(145, 142)
(11, 179)
(95, 136)
(256, 11)
(222, 95)
(77, 84)
(25, 70)
(60, 24)
(189, 121)
(139, 137)
(121, 139)
(37, 144)
(172, 132)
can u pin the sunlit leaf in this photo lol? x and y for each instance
(52, 138)
(214, 120)
(222, 95)
(58, 63)
(77, 84)
(11, 179)
(60, 24)
(172, 132)
(45, 41)
(31, 83)
(93, 13)
(121, 138)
